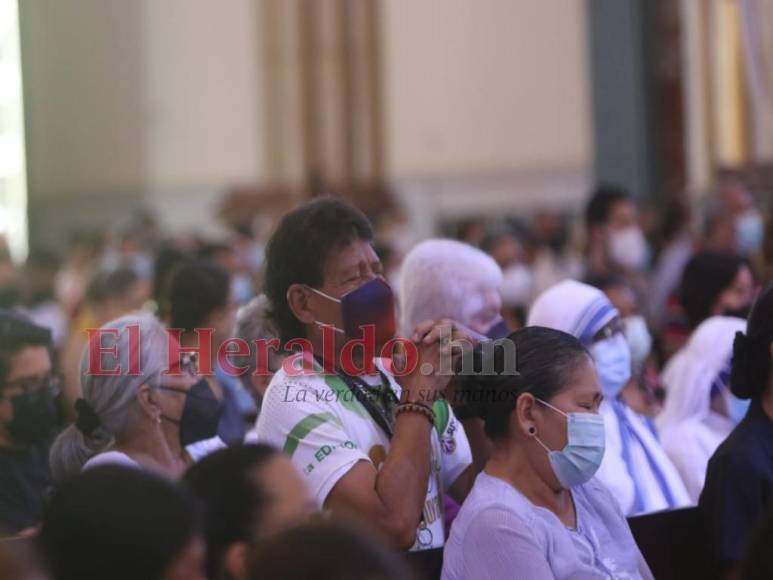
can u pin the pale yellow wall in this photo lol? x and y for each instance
(480, 85)
(141, 95)
(164, 97)
(202, 92)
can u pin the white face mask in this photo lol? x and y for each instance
(628, 248)
(638, 337)
(613, 364)
(517, 286)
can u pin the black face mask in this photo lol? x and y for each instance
(742, 312)
(201, 413)
(34, 417)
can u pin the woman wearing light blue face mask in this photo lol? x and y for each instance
(635, 468)
(536, 512)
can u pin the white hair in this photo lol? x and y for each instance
(445, 279)
(111, 396)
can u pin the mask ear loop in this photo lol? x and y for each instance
(533, 431)
(327, 325)
(321, 293)
(319, 322)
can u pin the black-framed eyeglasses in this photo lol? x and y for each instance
(51, 382)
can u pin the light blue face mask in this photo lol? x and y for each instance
(613, 364)
(737, 408)
(749, 231)
(579, 461)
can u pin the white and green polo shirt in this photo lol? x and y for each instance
(325, 430)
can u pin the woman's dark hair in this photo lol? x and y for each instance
(109, 284)
(231, 496)
(118, 523)
(751, 351)
(601, 202)
(545, 359)
(299, 248)
(704, 278)
(327, 549)
(196, 290)
(168, 258)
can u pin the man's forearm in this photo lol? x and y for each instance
(402, 481)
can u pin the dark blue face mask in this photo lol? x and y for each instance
(201, 413)
(371, 304)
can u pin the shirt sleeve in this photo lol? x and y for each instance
(454, 447)
(294, 419)
(498, 544)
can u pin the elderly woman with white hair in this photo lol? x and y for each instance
(139, 409)
(635, 468)
(449, 279)
(446, 279)
(700, 411)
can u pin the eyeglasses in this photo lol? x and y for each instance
(28, 385)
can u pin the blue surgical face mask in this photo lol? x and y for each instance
(613, 364)
(749, 231)
(736, 408)
(580, 459)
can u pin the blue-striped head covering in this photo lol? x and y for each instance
(576, 308)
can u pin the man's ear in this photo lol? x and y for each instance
(298, 301)
(147, 399)
(235, 561)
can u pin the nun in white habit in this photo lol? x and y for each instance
(700, 412)
(635, 468)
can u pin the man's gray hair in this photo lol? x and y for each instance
(253, 323)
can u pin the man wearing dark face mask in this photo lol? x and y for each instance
(27, 420)
(374, 444)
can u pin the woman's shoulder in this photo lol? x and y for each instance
(110, 458)
(493, 501)
(594, 497)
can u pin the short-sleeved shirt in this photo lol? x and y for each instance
(499, 533)
(325, 431)
(739, 485)
(24, 481)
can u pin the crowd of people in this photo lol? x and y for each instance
(340, 400)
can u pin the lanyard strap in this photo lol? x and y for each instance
(379, 403)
